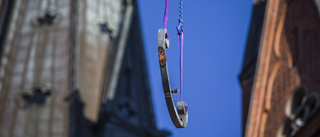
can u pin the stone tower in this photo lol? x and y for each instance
(73, 68)
(280, 77)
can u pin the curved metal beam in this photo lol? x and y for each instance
(178, 116)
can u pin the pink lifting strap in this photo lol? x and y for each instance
(165, 17)
(180, 39)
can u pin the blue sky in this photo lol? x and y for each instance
(214, 44)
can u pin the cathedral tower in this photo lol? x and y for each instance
(73, 68)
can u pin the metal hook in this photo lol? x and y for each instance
(178, 116)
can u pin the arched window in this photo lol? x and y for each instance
(301, 106)
(295, 100)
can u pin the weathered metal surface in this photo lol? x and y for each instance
(162, 55)
(182, 120)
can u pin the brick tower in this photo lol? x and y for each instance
(280, 76)
(73, 68)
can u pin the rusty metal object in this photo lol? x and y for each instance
(180, 120)
(162, 55)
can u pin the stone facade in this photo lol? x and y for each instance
(284, 89)
(67, 70)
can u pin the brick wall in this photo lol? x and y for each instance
(288, 58)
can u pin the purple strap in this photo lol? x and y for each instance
(180, 42)
(165, 17)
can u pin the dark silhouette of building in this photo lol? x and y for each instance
(73, 68)
(280, 76)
